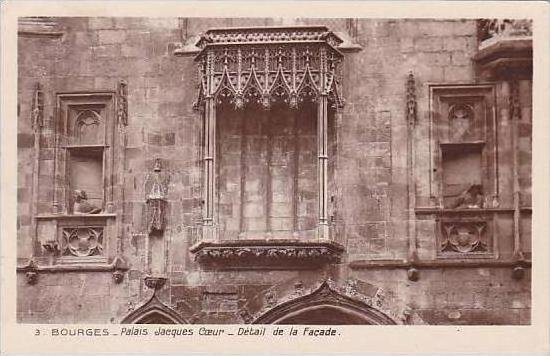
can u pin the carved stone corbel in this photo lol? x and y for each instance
(51, 247)
(31, 272)
(155, 282)
(413, 274)
(120, 266)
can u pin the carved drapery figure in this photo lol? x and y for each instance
(156, 185)
(82, 205)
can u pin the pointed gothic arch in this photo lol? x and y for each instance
(325, 306)
(154, 312)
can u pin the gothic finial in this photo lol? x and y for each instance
(122, 99)
(411, 99)
(37, 107)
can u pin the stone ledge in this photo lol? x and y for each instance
(39, 27)
(118, 264)
(434, 264)
(75, 216)
(284, 253)
(464, 211)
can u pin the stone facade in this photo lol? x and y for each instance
(405, 199)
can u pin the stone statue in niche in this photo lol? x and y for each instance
(82, 205)
(472, 197)
(156, 186)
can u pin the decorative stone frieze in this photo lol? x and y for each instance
(264, 252)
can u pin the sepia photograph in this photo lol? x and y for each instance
(274, 170)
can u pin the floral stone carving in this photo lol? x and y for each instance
(82, 241)
(463, 236)
(261, 252)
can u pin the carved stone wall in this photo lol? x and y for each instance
(369, 197)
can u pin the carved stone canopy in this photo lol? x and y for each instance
(505, 48)
(265, 64)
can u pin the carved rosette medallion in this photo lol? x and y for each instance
(289, 64)
(82, 241)
(463, 237)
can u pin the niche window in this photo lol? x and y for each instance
(82, 223)
(86, 154)
(268, 97)
(464, 169)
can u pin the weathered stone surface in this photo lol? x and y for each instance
(266, 176)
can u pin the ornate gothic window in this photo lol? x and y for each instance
(78, 224)
(464, 181)
(268, 97)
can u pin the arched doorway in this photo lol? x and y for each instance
(325, 315)
(325, 306)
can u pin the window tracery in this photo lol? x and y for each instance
(269, 68)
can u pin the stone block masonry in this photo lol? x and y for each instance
(266, 178)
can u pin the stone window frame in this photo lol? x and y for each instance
(49, 231)
(486, 215)
(231, 63)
